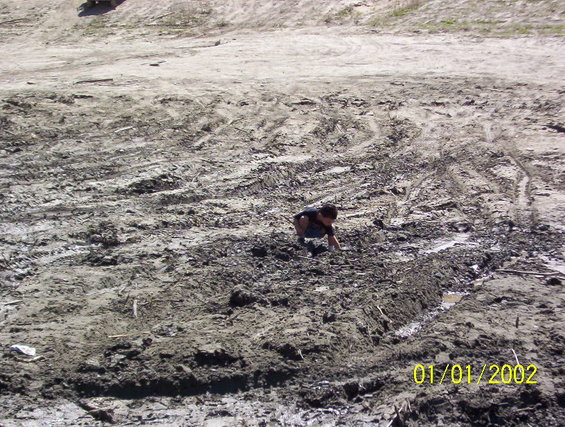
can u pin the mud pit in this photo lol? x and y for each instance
(149, 258)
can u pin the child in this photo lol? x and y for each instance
(315, 223)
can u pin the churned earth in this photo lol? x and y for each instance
(152, 157)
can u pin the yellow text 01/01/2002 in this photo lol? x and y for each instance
(469, 374)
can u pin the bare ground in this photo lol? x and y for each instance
(153, 154)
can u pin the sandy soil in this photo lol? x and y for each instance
(152, 156)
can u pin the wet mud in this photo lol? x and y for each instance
(161, 263)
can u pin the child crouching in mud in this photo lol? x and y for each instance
(316, 223)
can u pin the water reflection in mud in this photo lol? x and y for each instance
(449, 299)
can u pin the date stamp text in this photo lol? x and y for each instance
(469, 374)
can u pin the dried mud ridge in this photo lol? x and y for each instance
(151, 245)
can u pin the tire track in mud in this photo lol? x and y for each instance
(346, 49)
(411, 193)
(471, 189)
(525, 212)
(523, 202)
(372, 139)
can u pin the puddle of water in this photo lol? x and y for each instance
(449, 299)
(554, 264)
(442, 244)
(338, 169)
(410, 251)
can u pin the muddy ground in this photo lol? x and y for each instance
(150, 168)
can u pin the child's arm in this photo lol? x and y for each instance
(333, 243)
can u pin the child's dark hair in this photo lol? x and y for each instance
(329, 211)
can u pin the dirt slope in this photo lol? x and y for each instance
(152, 155)
(67, 19)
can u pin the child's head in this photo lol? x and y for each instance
(328, 214)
